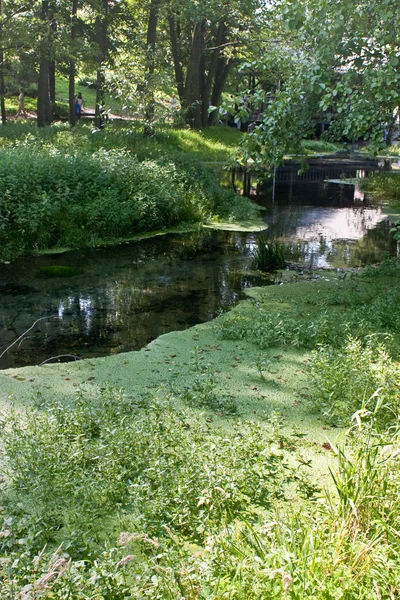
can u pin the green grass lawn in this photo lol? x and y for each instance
(89, 96)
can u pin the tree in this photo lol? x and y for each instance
(362, 59)
(14, 15)
(205, 39)
(345, 61)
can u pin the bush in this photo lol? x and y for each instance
(52, 199)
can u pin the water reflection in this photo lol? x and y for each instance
(123, 297)
(326, 224)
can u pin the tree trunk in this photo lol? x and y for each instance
(224, 66)
(206, 72)
(150, 63)
(101, 38)
(214, 63)
(44, 113)
(52, 87)
(195, 77)
(176, 55)
(152, 35)
(2, 90)
(71, 83)
(43, 101)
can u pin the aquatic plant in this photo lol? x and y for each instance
(268, 255)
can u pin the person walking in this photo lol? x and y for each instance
(21, 105)
(78, 105)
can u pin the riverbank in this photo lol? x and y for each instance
(220, 442)
(63, 187)
(57, 195)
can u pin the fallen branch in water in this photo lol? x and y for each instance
(25, 332)
(60, 356)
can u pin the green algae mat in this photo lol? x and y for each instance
(200, 466)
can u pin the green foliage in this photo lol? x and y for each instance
(56, 192)
(389, 267)
(326, 314)
(346, 73)
(385, 186)
(199, 510)
(268, 255)
(276, 328)
(350, 534)
(201, 394)
(72, 467)
(346, 380)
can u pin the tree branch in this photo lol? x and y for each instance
(223, 45)
(20, 10)
(25, 332)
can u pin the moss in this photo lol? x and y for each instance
(58, 271)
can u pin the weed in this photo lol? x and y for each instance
(264, 364)
(345, 379)
(268, 255)
(72, 467)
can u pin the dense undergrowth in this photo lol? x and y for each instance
(121, 496)
(385, 186)
(66, 188)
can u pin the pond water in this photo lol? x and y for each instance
(119, 298)
(328, 225)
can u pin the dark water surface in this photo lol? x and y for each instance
(122, 297)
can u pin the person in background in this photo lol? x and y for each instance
(78, 105)
(173, 103)
(21, 106)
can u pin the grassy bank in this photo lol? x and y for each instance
(208, 475)
(63, 187)
(67, 188)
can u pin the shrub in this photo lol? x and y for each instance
(74, 187)
(50, 199)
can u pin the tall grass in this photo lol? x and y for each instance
(345, 380)
(268, 255)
